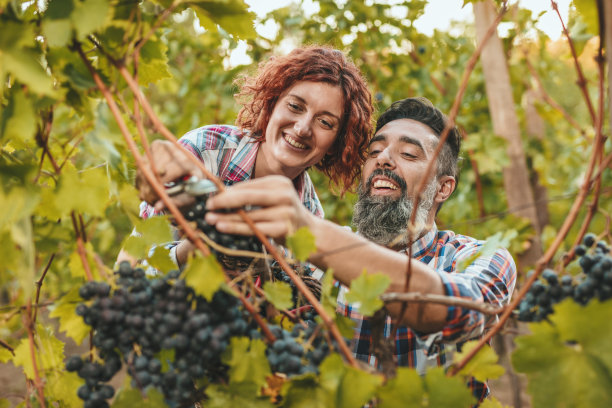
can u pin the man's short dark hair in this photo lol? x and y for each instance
(422, 110)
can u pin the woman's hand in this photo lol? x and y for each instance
(171, 164)
(279, 211)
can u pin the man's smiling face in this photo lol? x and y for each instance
(403, 147)
(397, 159)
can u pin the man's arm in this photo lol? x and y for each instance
(345, 252)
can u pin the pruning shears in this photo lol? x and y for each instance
(191, 185)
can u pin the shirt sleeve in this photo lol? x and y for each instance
(489, 279)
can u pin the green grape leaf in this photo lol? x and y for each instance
(61, 386)
(16, 204)
(365, 291)
(152, 231)
(302, 244)
(444, 391)
(89, 16)
(18, 120)
(247, 361)
(349, 386)
(235, 395)
(204, 275)
(4, 403)
(346, 325)
(85, 192)
(305, 392)
(482, 366)
(160, 260)
(24, 65)
(128, 197)
(59, 9)
(15, 35)
(153, 64)
(69, 321)
(492, 244)
(231, 15)
(329, 292)
(279, 294)
(357, 388)
(57, 32)
(132, 397)
(49, 353)
(405, 390)
(76, 267)
(565, 365)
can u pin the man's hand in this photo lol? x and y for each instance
(279, 211)
(171, 164)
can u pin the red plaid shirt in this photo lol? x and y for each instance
(489, 279)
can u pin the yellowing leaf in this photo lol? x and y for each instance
(160, 260)
(5, 355)
(22, 234)
(49, 352)
(69, 321)
(492, 244)
(61, 386)
(365, 291)
(247, 361)
(302, 244)
(152, 231)
(153, 64)
(482, 366)
(57, 32)
(279, 294)
(204, 275)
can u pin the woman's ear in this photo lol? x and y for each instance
(446, 188)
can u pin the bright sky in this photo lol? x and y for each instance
(438, 15)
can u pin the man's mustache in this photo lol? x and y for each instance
(390, 175)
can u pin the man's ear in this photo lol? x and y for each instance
(446, 188)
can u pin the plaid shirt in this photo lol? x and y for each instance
(230, 153)
(488, 279)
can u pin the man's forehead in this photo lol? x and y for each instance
(406, 131)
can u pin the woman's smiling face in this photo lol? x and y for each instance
(302, 128)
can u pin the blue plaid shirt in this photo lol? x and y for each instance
(489, 279)
(230, 153)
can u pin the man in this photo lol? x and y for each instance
(406, 137)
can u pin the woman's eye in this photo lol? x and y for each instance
(327, 124)
(374, 153)
(294, 106)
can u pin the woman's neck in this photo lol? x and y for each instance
(265, 167)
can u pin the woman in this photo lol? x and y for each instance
(309, 108)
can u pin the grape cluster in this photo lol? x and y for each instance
(594, 282)
(141, 318)
(298, 351)
(198, 211)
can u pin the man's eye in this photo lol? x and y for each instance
(409, 155)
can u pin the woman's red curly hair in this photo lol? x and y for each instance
(259, 94)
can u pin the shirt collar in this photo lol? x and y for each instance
(424, 244)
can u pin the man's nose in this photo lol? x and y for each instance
(385, 160)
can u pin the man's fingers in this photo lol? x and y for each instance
(273, 229)
(236, 197)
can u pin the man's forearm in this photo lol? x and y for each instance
(349, 254)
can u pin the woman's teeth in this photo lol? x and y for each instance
(294, 142)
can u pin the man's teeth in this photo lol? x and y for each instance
(294, 142)
(384, 184)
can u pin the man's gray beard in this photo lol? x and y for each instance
(384, 220)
